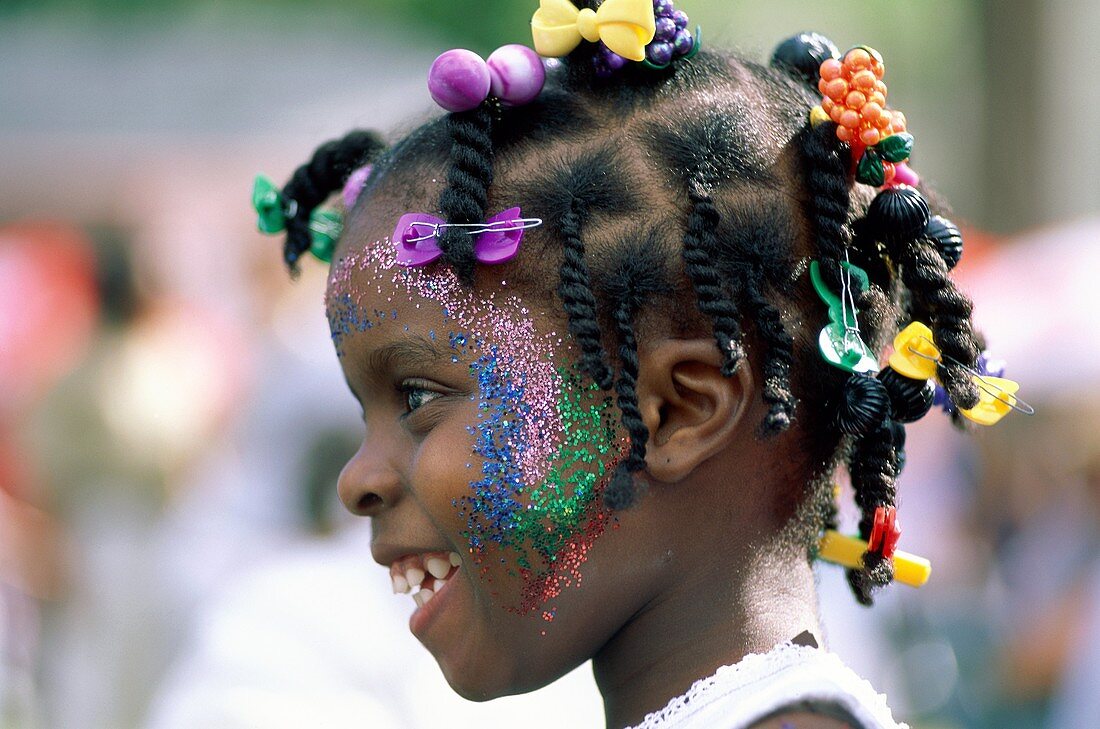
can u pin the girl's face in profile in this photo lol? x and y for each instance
(483, 462)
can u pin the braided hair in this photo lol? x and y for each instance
(696, 194)
(312, 183)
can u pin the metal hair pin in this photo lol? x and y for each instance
(984, 382)
(501, 226)
(496, 240)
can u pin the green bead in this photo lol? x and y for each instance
(896, 148)
(870, 170)
(268, 203)
(325, 227)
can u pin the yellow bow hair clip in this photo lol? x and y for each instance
(625, 27)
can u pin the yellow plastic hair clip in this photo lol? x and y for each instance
(915, 355)
(996, 398)
(818, 116)
(625, 26)
(909, 569)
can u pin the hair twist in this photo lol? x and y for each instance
(828, 189)
(778, 356)
(465, 200)
(924, 273)
(620, 491)
(873, 466)
(575, 290)
(711, 296)
(327, 171)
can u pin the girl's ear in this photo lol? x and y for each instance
(692, 410)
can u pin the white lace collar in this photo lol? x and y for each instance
(760, 683)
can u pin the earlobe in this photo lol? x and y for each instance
(692, 410)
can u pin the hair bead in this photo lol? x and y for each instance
(910, 400)
(802, 55)
(898, 215)
(948, 239)
(864, 405)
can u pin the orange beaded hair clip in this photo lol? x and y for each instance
(855, 98)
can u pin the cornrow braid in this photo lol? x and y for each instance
(778, 355)
(465, 200)
(620, 491)
(924, 273)
(313, 182)
(873, 466)
(575, 290)
(713, 300)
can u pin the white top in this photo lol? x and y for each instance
(762, 683)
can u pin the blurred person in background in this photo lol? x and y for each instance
(49, 305)
(1037, 503)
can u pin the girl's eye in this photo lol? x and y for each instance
(416, 396)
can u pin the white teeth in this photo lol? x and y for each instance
(400, 584)
(423, 596)
(414, 576)
(438, 567)
(455, 559)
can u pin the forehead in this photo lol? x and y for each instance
(369, 292)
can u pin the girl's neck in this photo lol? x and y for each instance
(710, 619)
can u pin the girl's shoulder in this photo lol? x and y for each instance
(788, 683)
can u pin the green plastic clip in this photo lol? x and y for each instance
(269, 205)
(325, 227)
(839, 341)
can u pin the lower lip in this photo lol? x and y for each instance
(423, 616)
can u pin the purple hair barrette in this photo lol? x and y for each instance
(496, 240)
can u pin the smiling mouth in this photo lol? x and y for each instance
(423, 575)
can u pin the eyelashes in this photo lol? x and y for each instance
(416, 394)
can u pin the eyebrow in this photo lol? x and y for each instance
(414, 351)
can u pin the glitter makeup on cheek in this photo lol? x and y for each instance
(549, 525)
(545, 443)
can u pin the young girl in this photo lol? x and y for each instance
(613, 332)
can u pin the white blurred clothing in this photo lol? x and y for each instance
(315, 638)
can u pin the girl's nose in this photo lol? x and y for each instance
(368, 483)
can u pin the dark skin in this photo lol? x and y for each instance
(696, 576)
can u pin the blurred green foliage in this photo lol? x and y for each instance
(481, 25)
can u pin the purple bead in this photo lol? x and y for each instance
(602, 69)
(991, 367)
(516, 74)
(659, 53)
(666, 29)
(680, 18)
(354, 186)
(459, 80)
(683, 43)
(662, 8)
(614, 61)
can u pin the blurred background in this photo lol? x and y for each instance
(172, 417)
